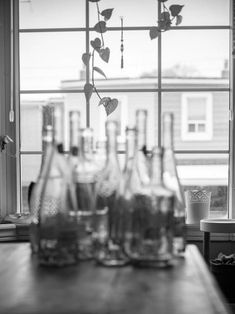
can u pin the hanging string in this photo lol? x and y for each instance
(122, 45)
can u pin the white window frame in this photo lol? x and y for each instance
(196, 136)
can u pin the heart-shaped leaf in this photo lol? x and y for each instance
(100, 27)
(86, 58)
(88, 89)
(153, 32)
(165, 16)
(175, 9)
(104, 54)
(111, 106)
(99, 71)
(164, 25)
(107, 14)
(179, 19)
(96, 44)
(104, 101)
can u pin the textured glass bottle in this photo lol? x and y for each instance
(36, 194)
(57, 214)
(108, 248)
(85, 175)
(149, 241)
(171, 180)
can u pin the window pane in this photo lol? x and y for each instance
(197, 108)
(52, 13)
(48, 58)
(140, 56)
(30, 166)
(144, 15)
(201, 12)
(192, 54)
(129, 103)
(217, 121)
(31, 112)
(206, 171)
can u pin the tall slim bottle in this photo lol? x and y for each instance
(74, 137)
(57, 245)
(85, 176)
(108, 246)
(36, 193)
(171, 180)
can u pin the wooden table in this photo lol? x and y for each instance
(187, 287)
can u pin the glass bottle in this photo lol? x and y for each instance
(37, 187)
(141, 152)
(58, 226)
(171, 180)
(108, 246)
(148, 241)
(74, 137)
(85, 176)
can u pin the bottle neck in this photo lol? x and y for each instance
(74, 127)
(111, 132)
(141, 125)
(59, 130)
(157, 166)
(168, 139)
(131, 144)
(47, 142)
(87, 143)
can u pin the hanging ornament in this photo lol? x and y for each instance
(122, 45)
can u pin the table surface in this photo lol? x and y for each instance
(187, 287)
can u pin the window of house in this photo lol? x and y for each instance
(184, 71)
(197, 117)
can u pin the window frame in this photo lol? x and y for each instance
(10, 182)
(196, 136)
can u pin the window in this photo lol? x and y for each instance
(197, 117)
(185, 71)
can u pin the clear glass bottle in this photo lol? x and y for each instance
(171, 181)
(58, 228)
(74, 137)
(107, 240)
(148, 242)
(37, 187)
(85, 178)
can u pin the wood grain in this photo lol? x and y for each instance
(25, 287)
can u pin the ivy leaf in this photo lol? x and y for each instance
(175, 9)
(153, 32)
(104, 101)
(96, 44)
(111, 106)
(107, 14)
(100, 27)
(88, 89)
(104, 54)
(179, 19)
(165, 16)
(86, 58)
(99, 71)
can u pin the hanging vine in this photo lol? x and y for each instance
(99, 48)
(167, 17)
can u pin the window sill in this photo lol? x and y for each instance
(20, 232)
(13, 232)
